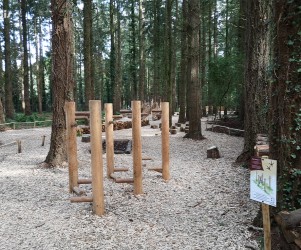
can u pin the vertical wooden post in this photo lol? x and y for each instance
(43, 140)
(71, 145)
(265, 209)
(19, 146)
(266, 226)
(109, 139)
(165, 140)
(96, 156)
(137, 148)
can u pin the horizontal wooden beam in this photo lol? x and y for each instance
(124, 180)
(121, 169)
(84, 181)
(81, 199)
(157, 169)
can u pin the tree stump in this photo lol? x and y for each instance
(213, 152)
(173, 131)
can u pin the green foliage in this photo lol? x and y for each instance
(20, 117)
(291, 189)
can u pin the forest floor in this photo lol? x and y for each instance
(205, 205)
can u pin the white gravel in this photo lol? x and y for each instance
(205, 205)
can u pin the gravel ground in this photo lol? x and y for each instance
(205, 205)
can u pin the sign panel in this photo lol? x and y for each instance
(263, 180)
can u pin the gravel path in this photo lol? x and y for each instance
(205, 205)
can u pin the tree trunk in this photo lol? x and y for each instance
(141, 50)
(183, 65)
(110, 86)
(25, 59)
(133, 52)
(118, 78)
(285, 110)
(2, 115)
(255, 79)
(195, 131)
(88, 55)
(9, 105)
(62, 78)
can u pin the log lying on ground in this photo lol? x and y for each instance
(213, 152)
(290, 223)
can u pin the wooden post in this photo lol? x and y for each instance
(266, 226)
(266, 218)
(109, 139)
(137, 148)
(71, 145)
(96, 156)
(19, 146)
(165, 140)
(43, 140)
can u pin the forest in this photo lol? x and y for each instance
(200, 56)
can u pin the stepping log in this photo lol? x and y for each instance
(213, 152)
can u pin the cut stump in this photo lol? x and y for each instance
(213, 152)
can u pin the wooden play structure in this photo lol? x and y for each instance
(164, 169)
(137, 147)
(96, 156)
(95, 119)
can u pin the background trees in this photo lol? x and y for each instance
(237, 54)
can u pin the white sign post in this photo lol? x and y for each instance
(263, 182)
(263, 188)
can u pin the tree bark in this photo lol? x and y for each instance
(183, 65)
(141, 50)
(118, 67)
(285, 110)
(195, 131)
(9, 105)
(255, 78)
(25, 59)
(88, 54)
(62, 78)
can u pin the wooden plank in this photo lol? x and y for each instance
(96, 156)
(121, 169)
(266, 226)
(81, 199)
(165, 140)
(85, 181)
(137, 147)
(157, 169)
(124, 180)
(71, 145)
(109, 138)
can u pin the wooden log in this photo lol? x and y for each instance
(84, 181)
(213, 152)
(147, 158)
(82, 113)
(137, 147)
(157, 169)
(43, 140)
(289, 220)
(124, 180)
(19, 146)
(71, 145)
(120, 170)
(173, 131)
(262, 150)
(81, 199)
(86, 138)
(165, 140)
(109, 139)
(96, 157)
(266, 226)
